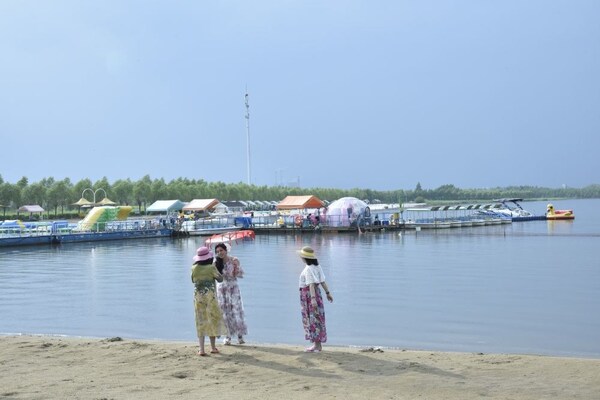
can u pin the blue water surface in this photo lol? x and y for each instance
(527, 287)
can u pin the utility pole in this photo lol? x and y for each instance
(248, 135)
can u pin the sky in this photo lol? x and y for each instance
(346, 94)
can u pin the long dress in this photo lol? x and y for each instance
(230, 298)
(313, 319)
(209, 318)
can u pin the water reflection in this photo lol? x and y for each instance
(560, 227)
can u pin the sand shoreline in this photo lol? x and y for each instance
(54, 367)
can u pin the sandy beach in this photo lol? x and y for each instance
(47, 367)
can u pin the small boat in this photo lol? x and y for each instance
(553, 214)
(511, 208)
(229, 237)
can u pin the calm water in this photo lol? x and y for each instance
(528, 287)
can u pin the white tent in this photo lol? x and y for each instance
(31, 209)
(221, 208)
(166, 206)
(344, 211)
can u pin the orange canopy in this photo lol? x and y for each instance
(201, 205)
(298, 202)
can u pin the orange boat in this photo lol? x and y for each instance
(228, 237)
(553, 214)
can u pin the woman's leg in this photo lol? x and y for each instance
(201, 342)
(315, 348)
(213, 345)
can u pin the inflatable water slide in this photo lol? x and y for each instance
(97, 218)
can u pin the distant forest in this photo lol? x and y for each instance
(59, 196)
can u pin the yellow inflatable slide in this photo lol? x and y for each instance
(97, 218)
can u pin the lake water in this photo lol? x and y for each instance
(526, 287)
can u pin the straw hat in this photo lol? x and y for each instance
(307, 252)
(202, 253)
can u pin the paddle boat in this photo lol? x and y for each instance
(230, 237)
(553, 214)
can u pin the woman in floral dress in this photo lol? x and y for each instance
(229, 295)
(311, 280)
(209, 319)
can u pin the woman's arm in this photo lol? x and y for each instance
(313, 297)
(238, 272)
(329, 296)
(218, 277)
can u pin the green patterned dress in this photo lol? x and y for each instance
(209, 319)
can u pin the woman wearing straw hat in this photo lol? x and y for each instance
(209, 320)
(311, 280)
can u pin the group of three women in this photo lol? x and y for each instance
(219, 309)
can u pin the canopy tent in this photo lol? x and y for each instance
(106, 202)
(31, 209)
(166, 206)
(300, 202)
(83, 202)
(201, 205)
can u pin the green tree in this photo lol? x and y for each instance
(180, 189)
(13, 195)
(6, 196)
(80, 187)
(142, 192)
(47, 182)
(59, 194)
(160, 190)
(23, 182)
(123, 191)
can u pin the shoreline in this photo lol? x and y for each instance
(56, 367)
(301, 342)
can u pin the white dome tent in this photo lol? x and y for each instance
(347, 211)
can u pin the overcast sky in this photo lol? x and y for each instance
(344, 94)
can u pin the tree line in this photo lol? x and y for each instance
(60, 195)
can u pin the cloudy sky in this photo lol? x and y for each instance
(369, 94)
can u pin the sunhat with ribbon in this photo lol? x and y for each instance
(202, 253)
(307, 252)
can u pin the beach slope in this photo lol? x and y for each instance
(48, 367)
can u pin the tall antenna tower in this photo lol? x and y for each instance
(248, 134)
